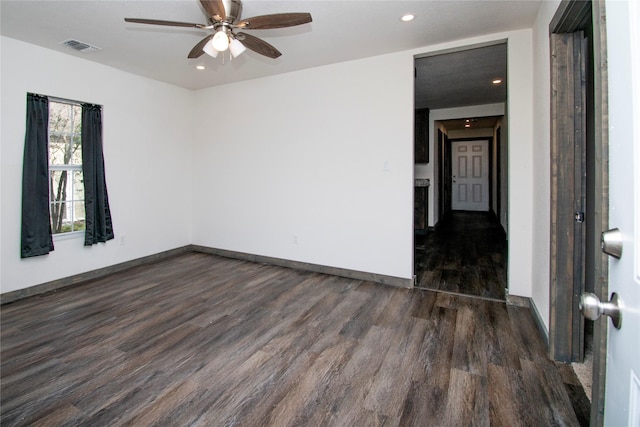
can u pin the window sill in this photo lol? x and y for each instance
(69, 235)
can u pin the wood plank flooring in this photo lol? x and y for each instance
(208, 341)
(465, 254)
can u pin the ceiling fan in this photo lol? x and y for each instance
(223, 18)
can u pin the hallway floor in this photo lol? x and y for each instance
(466, 254)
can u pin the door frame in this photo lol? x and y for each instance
(498, 156)
(570, 16)
(444, 171)
(568, 193)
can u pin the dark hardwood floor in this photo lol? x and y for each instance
(466, 254)
(203, 340)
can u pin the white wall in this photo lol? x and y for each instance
(541, 191)
(303, 156)
(519, 128)
(147, 148)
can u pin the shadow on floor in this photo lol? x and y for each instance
(465, 254)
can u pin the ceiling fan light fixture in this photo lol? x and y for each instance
(210, 50)
(236, 47)
(220, 41)
(223, 16)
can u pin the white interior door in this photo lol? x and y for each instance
(470, 175)
(622, 392)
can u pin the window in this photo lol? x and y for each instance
(64, 188)
(66, 184)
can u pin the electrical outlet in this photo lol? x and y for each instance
(295, 239)
(123, 240)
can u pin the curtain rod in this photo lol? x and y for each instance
(65, 100)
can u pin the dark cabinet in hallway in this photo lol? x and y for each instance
(421, 136)
(420, 205)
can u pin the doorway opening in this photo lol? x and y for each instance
(460, 183)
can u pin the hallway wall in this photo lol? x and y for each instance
(541, 192)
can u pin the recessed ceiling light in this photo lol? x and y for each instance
(200, 67)
(408, 17)
(468, 125)
(496, 81)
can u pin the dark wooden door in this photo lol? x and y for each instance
(444, 174)
(568, 194)
(420, 210)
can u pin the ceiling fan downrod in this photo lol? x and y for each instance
(233, 11)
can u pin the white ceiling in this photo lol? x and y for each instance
(341, 30)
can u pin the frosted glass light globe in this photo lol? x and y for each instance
(220, 41)
(236, 48)
(209, 49)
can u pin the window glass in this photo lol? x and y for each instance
(66, 186)
(65, 122)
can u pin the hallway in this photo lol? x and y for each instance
(466, 254)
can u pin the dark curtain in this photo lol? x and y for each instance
(36, 237)
(96, 201)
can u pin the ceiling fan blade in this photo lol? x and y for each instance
(167, 23)
(197, 51)
(258, 45)
(215, 9)
(277, 20)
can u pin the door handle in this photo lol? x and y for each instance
(591, 308)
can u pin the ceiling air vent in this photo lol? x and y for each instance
(80, 46)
